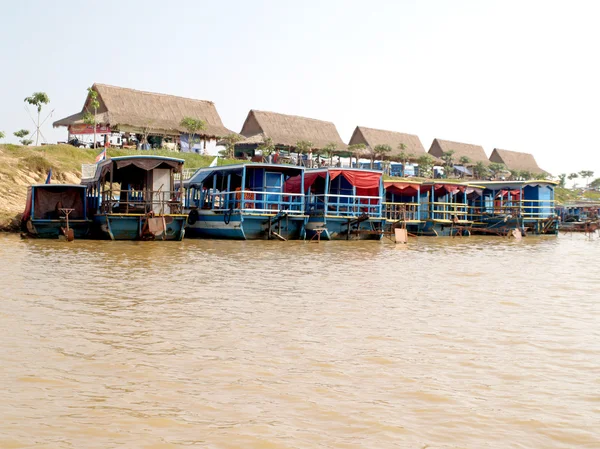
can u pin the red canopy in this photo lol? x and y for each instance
(366, 183)
(402, 188)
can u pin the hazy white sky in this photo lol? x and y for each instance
(518, 75)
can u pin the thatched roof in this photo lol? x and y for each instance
(136, 111)
(515, 160)
(288, 129)
(474, 152)
(373, 137)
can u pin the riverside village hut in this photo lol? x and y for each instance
(137, 115)
(371, 137)
(285, 131)
(475, 153)
(516, 161)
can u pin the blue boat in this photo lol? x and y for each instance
(430, 208)
(246, 202)
(55, 210)
(343, 203)
(134, 198)
(506, 205)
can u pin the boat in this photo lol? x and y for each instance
(343, 203)
(579, 217)
(246, 202)
(431, 208)
(133, 198)
(56, 210)
(507, 205)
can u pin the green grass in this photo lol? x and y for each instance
(67, 158)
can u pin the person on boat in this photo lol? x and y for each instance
(56, 213)
(276, 157)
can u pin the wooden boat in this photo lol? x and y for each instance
(56, 210)
(506, 205)
(246, 202)
(433, 208)
(133, 198)
(343, 203)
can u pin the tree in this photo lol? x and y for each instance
(562, 180)
(595, 184)
(425, 163)
(448, 158)
(379, 150)
(404, 156)
(515, 174)
(587, 174)
(21, 134)
(329, 151)
(464, 160)
(192, 126)
(303, 146)
(267, 146)
(480, 170)
(496, 168)
(38, 99)
(88, 117)
(230, 141)
(356, 149)
(526, 174)
(2, 135)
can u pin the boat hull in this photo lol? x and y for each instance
(52, 229)
(133, 227)
(237, 226)
(336, 228)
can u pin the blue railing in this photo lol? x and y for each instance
(345, 205)
(250, 201)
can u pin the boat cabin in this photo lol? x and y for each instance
(135, 185)
(252, 188)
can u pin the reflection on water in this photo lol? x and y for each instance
(451, 343)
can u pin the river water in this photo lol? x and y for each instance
(444, 343)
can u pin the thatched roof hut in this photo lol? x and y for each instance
(136, 111)
(515, 160)
(287, 130)
(373, 137)
(474, 152)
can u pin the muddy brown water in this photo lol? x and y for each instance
(444, 343)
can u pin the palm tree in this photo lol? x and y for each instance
(587, 174)
(496, 168)
(356, 150)
(480, 170)
(192, 126)
(448, 158)
(425, 165)
(266, 147)
(2, 135)
(230, 141)
(403, 157)
(329, 151)
(303, 146)
(379, 150)
(38, 99)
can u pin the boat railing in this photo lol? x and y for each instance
(345, 205)
(527, 209)
(439, 210)
(401, 211)
(258, 202)
(141, 201)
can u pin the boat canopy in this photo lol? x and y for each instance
(450, 187)
(361, 179)
(402, 188)
(146, 163)
(47, 198)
